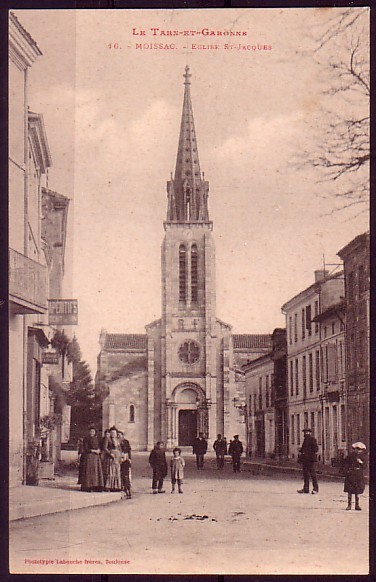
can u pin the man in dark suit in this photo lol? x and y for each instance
(200, 446)
(157, 460)
(236, 450)
(220, 447)
(308, 458)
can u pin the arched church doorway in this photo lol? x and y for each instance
(187, 427)
(185, 414)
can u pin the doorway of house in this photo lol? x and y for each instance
(187, 427)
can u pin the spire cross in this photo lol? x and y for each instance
(187, 76)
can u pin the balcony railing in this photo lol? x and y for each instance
(27, 284)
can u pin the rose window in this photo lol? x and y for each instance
(189, 352)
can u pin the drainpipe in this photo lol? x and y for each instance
(25, 249)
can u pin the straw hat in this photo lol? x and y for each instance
(359, 445)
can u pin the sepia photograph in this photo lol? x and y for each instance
(189, 291)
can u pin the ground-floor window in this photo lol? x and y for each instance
(343, 423)
(319, 428)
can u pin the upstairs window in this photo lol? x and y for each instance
(350, 287)
(304, 375)
(310, 371)
(260, 393)
(309, 319)
(362, 283)
(291, 377)
(182, 274)
(316, 313)
(318, 370)
(131, 413)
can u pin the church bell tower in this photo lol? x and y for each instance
(188, 325)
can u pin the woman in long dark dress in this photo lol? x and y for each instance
(91, 473)
(354, 474)
(105, 459)
(112, 448)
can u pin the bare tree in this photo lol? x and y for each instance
(341, 153)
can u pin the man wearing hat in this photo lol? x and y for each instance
(308, 458)
(235, 450)
(220, 447)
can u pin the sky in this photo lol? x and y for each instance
(112, 115)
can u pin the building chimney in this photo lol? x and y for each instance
(320, 275)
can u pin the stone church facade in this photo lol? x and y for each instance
(183, 375)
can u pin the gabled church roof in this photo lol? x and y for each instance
(249, 341)
(125, 341)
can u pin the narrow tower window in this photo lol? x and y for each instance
(182, 274)
(194, 274)
(131, 413)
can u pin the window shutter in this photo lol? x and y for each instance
(332, 362)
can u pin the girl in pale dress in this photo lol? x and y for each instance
(177, 465)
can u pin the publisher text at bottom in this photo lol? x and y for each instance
(85, 562)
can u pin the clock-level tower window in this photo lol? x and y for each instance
(182, 274)
(194, 274)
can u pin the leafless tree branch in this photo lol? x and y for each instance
(342, 150)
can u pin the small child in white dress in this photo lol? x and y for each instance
(177, 465)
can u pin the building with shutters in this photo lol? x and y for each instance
(266, 400)
(331, 320)
(315, 365)
(37, 234)
(356, 263)
(183, 375)
(259, 376)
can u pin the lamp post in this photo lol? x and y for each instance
(241, 405)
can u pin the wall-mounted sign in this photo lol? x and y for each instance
(50, 358)
(62, 312)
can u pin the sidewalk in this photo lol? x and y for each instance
(260, 466)
(61, 494)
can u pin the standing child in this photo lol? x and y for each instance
(126, 476)
(177, 465)
(354, 476)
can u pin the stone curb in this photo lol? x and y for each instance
(63, 501)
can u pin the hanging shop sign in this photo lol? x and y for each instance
(62, 311)
(50, 358)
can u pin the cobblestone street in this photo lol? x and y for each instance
(223, 523)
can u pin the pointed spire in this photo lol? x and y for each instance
(187, 192)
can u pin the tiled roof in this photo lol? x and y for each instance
(125, 341)
(250, 340)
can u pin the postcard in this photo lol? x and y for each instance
(189, 291)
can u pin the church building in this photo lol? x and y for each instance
(183, 376)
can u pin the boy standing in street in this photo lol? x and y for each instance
(157, 460)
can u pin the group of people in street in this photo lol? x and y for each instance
(158, 461)
(353, 468)
(235, 450)
(105, 464)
